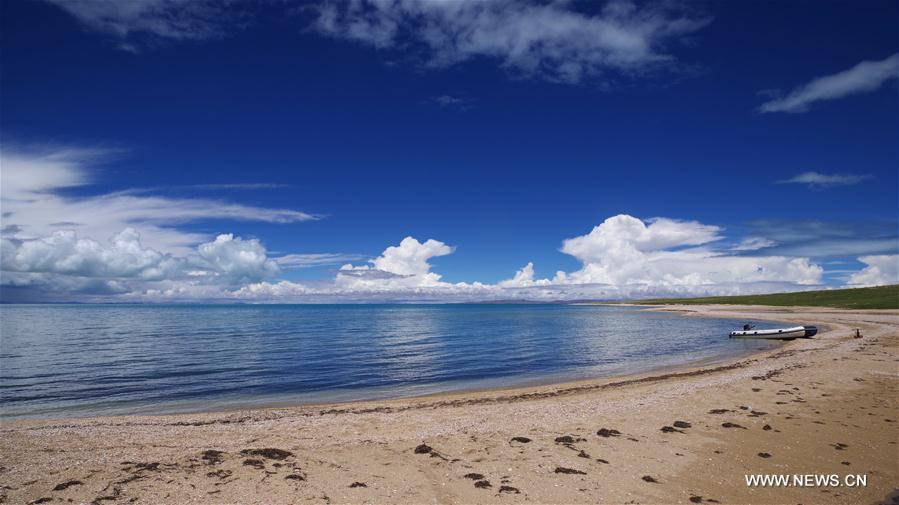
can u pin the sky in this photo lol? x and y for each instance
(285, 151)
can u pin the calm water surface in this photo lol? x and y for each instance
(74, 360)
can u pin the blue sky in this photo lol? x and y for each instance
(363, 126)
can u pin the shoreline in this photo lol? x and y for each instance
(523, 389)
(806, 389)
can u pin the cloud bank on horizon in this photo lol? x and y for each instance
(148, 258)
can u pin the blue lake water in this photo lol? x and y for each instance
(76, 360)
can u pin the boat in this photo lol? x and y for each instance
(777, 333)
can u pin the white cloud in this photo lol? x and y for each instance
(624, 251)
(623, 257)
(880, 270)
(529, 38)
(524, 278)
(57, 259)
(168, 19)
(865, 77)
(235, 260)
(34, 207)
(753, 244)
(819, 180)
(64, 253)
(403, 266)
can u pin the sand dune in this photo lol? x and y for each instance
(829, 405)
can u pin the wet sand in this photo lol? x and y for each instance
(828, 405)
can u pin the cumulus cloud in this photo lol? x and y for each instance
(547, 39)
(662, 253)
(34, 205)
(63, 256)
(880, 270)
(234, 260)
(64, 253)
(524, 278)
(406, 265)
(865, 77)
(818, 180)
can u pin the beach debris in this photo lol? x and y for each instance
(212, 456)
(67, 484)
(719, 411)
(221, 474)
(766, 427)
(562, 469)
(358, 484)
(153, 467)
(268, 453)
(764, 455)
(255, 463)
(509, 489)
(583, 454)
(695, 499)
(670, 429)
(566, 439)
(606, 432)
(682, 424)
(649, 478)
(523, 440)
(732, 425)
(602, 461)
(839, 446)
(482, 484)
(845, 463)
(427, 449)
(474, 476)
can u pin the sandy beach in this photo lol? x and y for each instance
(823, 406)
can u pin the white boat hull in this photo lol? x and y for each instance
(777, 333)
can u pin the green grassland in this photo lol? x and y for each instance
(880, 297)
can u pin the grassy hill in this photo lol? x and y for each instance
(880, 297)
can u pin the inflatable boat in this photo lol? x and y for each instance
(779, 333)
